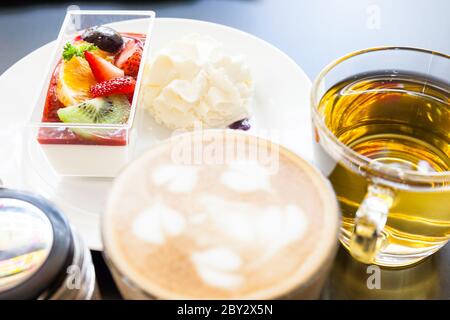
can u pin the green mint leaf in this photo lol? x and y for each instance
(71, 51)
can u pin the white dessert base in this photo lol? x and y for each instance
(86, 160)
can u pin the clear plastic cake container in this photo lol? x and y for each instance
(111, 149)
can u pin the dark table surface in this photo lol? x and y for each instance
(312, 32)
(429, 279)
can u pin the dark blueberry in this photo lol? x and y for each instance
(105, 38)
(243, 124)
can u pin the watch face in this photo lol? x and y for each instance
(26, 238)
(36, 245)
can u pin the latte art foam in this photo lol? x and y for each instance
(246, 176)
(244, 227)
(233, 230)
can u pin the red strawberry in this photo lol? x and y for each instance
(102, 69)
(123, 85)
(129, 58)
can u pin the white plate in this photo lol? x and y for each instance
(280, 113)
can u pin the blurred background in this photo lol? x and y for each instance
(312, 32)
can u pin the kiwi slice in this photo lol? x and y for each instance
(114, 109)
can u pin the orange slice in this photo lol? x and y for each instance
(75, 79)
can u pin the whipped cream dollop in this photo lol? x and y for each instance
(193, 82)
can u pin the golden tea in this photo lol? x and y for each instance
(401, 120)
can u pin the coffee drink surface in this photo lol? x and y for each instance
(193, 219)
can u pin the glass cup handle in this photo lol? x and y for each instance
(370, 219)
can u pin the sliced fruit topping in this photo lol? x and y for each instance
(79, 46)
(71, 50)
(124, 85)
(129, 58)
(74, 81)
(101, 68)
(113, 109)
(105, 38)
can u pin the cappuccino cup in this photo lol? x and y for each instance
(220, 214)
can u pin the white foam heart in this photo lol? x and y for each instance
(236, 220)
(178, 178)
(246, 176)
(279, 226)
(154, 224)
(218, 267)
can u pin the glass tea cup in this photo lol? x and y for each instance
(381, 120)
